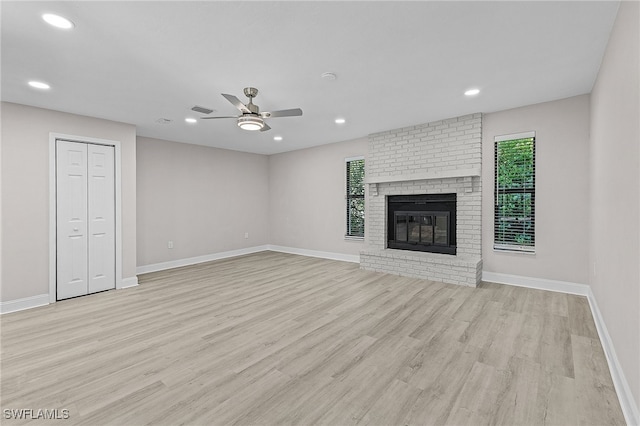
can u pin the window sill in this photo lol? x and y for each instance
(513, 251)
(353, 238)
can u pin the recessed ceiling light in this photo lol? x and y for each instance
(39, 85)
(472, 92)
(57, 21)
(340, 120)
(277, 138)
(190, 120)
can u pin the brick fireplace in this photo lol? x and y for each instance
(430, 161)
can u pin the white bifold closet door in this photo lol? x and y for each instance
(85, 208)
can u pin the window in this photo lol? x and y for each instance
(515, 182)
(355, 197)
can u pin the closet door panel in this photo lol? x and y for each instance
(101, 213)
(71, 211)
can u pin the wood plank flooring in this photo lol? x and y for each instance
(278, 339)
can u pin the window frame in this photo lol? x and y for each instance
(349, 235)
(501, 246)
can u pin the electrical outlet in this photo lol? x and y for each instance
(170, 244)
(246, 235)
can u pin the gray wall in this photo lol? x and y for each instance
(614, 269)
(25, 193)
(203, 199)
(562, 189)
(307, 204)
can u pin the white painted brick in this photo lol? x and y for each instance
(437, 146)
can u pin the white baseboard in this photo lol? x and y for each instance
(44, 299)
(25, 303)
(198, 259)
(537, 283)
(627, 402)
(223, 255)
(129, 282)
(355, 258)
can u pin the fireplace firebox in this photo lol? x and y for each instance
(425, 222)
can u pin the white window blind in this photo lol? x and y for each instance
(515, 188)
(355, 197)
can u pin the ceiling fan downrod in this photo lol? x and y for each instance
(251, 92)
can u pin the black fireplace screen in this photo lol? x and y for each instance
(422, 223)
(425, 228)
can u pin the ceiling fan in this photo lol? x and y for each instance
(251, 118)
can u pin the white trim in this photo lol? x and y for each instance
(53, 137)
(355, 258)
(505, 251)
(52, 218)
(129, 282)
(445, 174)
(240, 252)
(508, 248)
(24, 303)
(537, 283)
(198, 259)
(625, 397)
(356, 158)
(513, 136)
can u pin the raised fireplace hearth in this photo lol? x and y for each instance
(425, 222)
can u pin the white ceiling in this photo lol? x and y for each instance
(398, 63)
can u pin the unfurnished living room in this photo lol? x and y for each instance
(320, 213)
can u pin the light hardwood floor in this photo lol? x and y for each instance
(271, 339)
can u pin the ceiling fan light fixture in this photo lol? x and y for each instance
(250, 122)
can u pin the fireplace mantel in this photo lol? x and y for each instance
(444, 174)
(467, 174)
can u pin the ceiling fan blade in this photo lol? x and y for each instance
(209, 118)
(265, 128)
(282, 113)
(236, 103)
